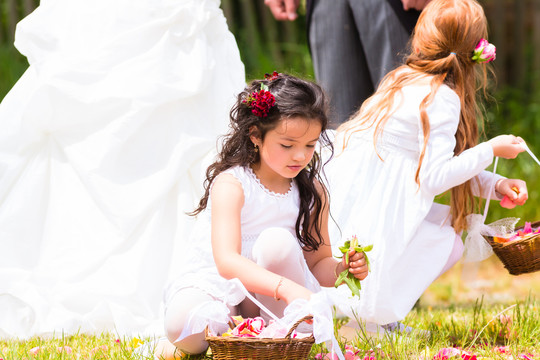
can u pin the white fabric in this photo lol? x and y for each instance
(484, 186)
(455, 254)
(261, 211)
(277, 250)
(104, 142)
(177, 316)
(476, 247)
(379, 201)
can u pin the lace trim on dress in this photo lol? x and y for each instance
(265, 189)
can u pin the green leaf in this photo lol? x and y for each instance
(352, 286)
(341, 277)
(345, 248)
(367, 262)
(368, 247)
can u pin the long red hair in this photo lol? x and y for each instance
(441, 48)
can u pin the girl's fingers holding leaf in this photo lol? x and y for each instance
(360, 272)
(344, 262)
(356, 256)
(359, 269)
(361, 275)
(358, 264)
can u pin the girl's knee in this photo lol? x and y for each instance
(192, 344)
(174, 325)
(177, 317)
(276, 245)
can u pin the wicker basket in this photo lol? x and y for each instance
(519, 256)
(235, 348)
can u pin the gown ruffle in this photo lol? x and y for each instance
(104, 142)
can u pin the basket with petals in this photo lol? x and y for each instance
(519, 251)
(236, 347)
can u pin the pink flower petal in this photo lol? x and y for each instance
(465, 355)
(447, 353)
(103, 348)
(66, 349)
(482, 44)
(326, 356)
(507, 203)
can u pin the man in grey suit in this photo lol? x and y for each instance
(353, 44)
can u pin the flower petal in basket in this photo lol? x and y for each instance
(519, 256)
(231, 347)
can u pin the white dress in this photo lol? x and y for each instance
(104, 142)
(262, 209)
(380, 202)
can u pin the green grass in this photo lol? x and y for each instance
(476, 328)
(475, 308)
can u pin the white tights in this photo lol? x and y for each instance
(276, 250)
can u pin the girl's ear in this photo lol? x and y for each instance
(255, 135)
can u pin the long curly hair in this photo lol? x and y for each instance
(440, 52)
(294, 97)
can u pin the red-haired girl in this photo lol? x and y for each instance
(415, 138)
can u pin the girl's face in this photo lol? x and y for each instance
(288, 148)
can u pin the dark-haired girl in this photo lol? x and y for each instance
(263, 217)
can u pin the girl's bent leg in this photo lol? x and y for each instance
(278, 250)
(176, 318)
(455, 255)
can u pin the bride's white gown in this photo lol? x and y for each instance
(103, 144)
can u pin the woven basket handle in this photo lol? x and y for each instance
(305, 318)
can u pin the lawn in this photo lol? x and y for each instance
(471, 312)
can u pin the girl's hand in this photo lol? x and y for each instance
(283, 9)
(357, 265)
(507, 146)
(508, 187)
(290, 291)
(414, 4)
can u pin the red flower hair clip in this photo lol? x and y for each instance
(272, 76)
(260, 102)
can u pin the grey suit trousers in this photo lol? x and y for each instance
(354, 43)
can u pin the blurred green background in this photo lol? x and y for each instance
(266, 45)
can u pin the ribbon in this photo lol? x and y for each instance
(476, 247)
(530, 153)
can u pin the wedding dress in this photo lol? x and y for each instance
(103, 147)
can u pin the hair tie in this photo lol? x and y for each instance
(453, 53)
